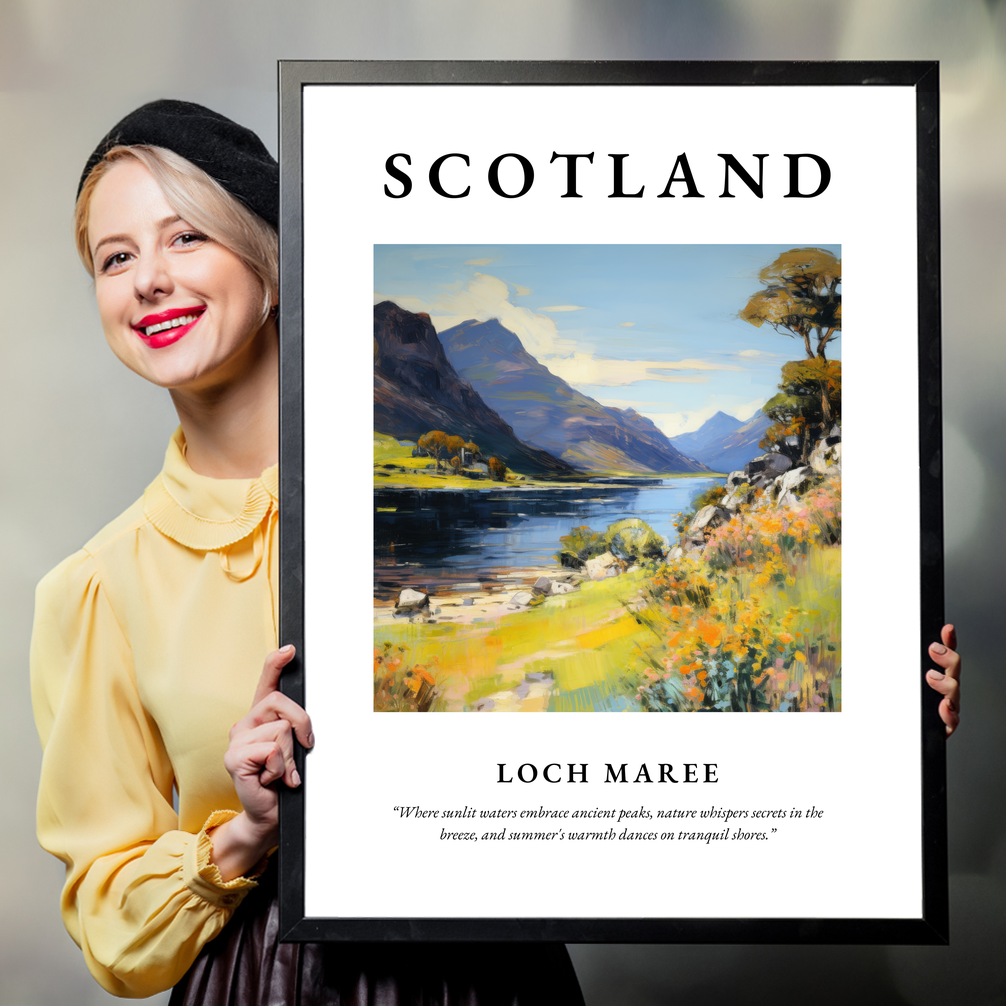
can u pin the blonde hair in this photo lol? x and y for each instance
(199, 200)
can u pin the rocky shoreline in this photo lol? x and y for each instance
(772, 481)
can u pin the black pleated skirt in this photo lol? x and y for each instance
(246, 965)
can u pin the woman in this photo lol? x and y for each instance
(148, 647)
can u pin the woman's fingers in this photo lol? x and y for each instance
(274, 735)
(271, 671)
(260, 761)
(947, 680)
(949, 636)
(277, 706)
(270, 703)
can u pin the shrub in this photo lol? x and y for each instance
(400, 688)
(634, 540)
(580, 545)
(497, 469)
(729, 635)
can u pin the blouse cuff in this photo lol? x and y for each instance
(202, 876)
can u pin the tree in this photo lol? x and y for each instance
(454, 446)
(809, 400)
(435, 442)
(456, 465)
(497, 469)
(800, 298)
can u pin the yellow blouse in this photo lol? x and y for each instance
(147, 647)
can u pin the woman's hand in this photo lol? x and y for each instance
(947, 682)
(260, 753)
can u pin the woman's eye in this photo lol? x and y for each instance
(114, 261)
(190, 238)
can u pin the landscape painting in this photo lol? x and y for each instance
(607, 478)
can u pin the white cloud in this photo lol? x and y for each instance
(481, 261)
(675, 423)
(627, 324)
(562, 307)
(580, 369)
(522, 291)
(747, 410)
(484, 297)
(753, 354)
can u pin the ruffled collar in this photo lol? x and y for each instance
(203, 513)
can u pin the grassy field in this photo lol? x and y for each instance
(584, 639)
(394, 465)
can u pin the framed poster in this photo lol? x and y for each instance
(564, 434)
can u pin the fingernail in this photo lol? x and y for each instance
(938, 648)
(295, 777)
(310, 740)
(936, 675)
(287, 649)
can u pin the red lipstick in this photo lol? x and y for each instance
(166, 326)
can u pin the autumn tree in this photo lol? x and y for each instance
(435, 442)
(809, 400)
(801, 298)
(497, 469)
(456, 465)
(455, 445)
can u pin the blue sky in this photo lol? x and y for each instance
(653, 327)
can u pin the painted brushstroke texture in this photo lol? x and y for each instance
(547, 412)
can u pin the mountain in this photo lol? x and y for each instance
(720, 425)
(725, 451)
(545, 411)
(417, 390)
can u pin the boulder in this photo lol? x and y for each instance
(522, 598)
(738, 494)
(603, 566)
(543, 585)
(412, 600)
(707, 518)
(734, 479)
(826, 458)
(764, 469)
(794, 481)
(562, 588)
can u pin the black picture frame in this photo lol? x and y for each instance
(931, 927)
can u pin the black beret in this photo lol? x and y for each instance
(230, 154)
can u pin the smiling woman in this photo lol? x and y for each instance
(154, 665)
(158, 279)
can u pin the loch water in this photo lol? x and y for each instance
(449, 539)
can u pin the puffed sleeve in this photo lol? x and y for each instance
(141, 897)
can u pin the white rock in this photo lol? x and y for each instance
(522, 598)
(827, 459)
(412, 600)
(603, 566)
(562, 588)
(709, 516)
(543, 585)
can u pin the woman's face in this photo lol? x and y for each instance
(177, 308)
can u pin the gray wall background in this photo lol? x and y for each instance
(82, 436)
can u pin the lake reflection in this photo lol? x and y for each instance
(442, 538)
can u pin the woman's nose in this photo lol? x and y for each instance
(152, 277)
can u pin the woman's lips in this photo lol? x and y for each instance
(164, 328)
